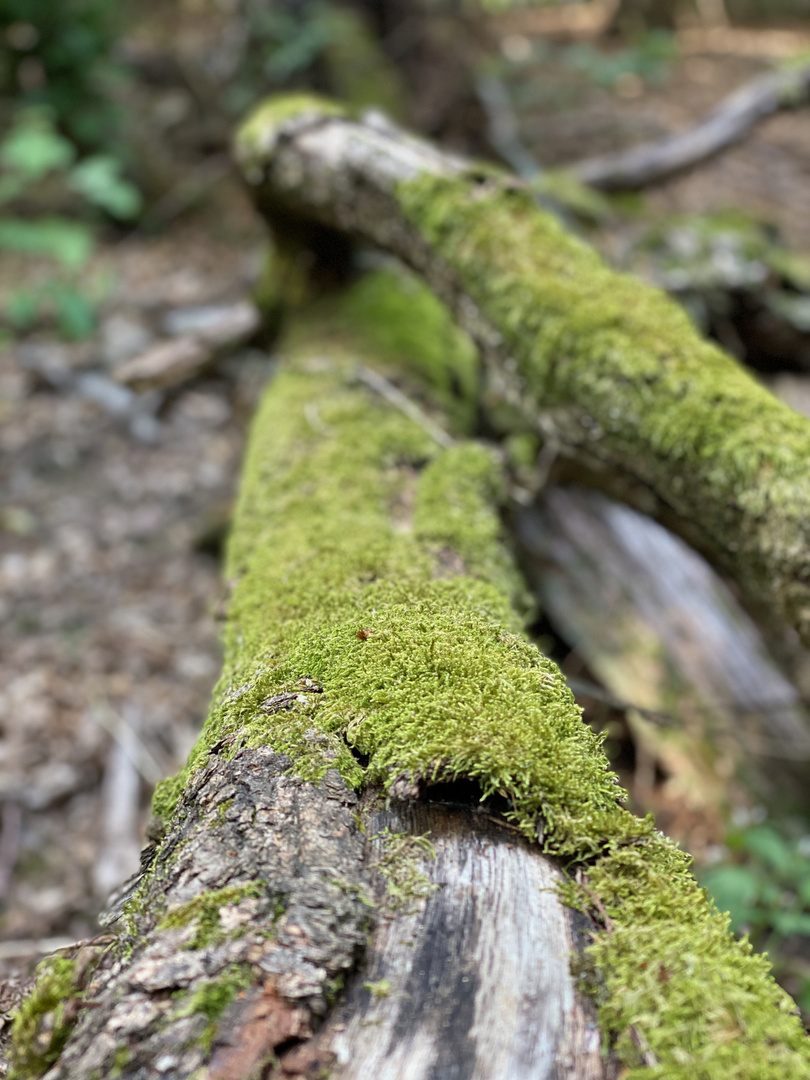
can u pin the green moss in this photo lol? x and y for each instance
(372, 583)
(204, 911)
(405, 883)
(379, 989)
(255, 136)
(580, 199)
(44, 1021)
(403, 326)
(213, 997)
(123, 1056)
(683, 415)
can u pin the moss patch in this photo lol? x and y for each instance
(682, 415)
(404, 327)
(373, 630)
(204, 910)
(405, 884)
(213, 997)
(44, 1021)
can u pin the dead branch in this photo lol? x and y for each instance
(730, 122)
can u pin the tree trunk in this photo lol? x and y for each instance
(396, 849)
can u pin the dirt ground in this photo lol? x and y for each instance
(114, 506)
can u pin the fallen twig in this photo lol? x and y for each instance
(731, 121)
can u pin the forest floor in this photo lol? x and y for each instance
(114, 505)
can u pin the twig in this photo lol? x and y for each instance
(608, 923)
(22, 947)
(400, 401)
(727, 124)
(503, 130)
(134, 747)
(120, 796)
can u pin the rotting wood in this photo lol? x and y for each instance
(257, 904)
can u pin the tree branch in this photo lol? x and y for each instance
(730, 122)
(609, 369)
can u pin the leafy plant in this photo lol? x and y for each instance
(61, 54)
(33, 154)
(281, 44)
(764, 885)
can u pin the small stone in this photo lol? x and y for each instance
(123, 337)
(219, 325)
(166, 364)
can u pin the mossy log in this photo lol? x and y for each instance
(608, 371)
(396, 850)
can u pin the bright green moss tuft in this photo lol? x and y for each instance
(204, 911)
(404, 326)
(213, 997)
(43, 1024)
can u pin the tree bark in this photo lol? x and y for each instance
(396, 848)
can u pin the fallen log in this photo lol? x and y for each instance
(608, 371)
(394, 802)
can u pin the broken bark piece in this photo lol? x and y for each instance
(167, 364)
(201, 332)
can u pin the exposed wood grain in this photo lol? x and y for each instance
(474, 982)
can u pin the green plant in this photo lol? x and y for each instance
(764, 885)
(33, 156)
(281, 46)
(649, 58)
(319, 43)
(61, 55)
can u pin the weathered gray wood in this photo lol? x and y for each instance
(481, 987)
(663, 632)
(476, 978)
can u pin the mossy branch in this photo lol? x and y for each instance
(609, 370)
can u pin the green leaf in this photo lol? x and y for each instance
(67, 242)
(33, 148)
(99, 180)
(792, 922)
(766, 844)
(74, 313)
(803, 889)
(733, 889)
(21, 308)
